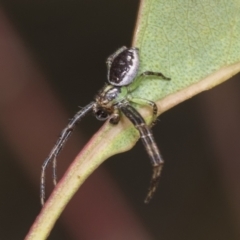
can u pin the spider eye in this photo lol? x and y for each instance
(102, 115)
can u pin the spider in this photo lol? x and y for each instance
(113, 98)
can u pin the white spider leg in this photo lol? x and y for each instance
(59, 145)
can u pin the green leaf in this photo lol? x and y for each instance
(186, 40)
(195, 43)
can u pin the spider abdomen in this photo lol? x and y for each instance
(123, 67)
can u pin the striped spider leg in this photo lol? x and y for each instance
(66, 133)
(149, 143)
(113, 98)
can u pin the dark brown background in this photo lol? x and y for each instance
(52, 60)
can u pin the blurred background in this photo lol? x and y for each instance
(52, 60)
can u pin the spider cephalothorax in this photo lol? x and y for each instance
(113, 98)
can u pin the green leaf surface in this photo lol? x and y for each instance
(195, 43)
(186, 41)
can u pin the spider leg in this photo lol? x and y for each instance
(58, 146)
(157, 74)
(145, 75)
(149, 144)
(153, 105)
(115, 118)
